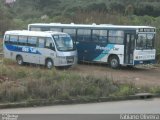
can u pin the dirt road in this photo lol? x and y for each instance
(142, 75)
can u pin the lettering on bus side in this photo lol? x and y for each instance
(27, 49)
(33, 50)
(115, 49)
(98, 47)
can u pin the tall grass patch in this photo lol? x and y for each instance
(26, 83)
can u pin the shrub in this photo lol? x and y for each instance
(12, 92)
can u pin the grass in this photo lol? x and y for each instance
(155, 90)
(24, 83)
(28, 83)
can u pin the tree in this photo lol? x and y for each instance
(5, 20)
(129, 10)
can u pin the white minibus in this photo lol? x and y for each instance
(46, 48)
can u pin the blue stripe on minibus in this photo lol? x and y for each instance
(24, 49)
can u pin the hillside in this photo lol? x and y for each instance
(133, 12)
(69, 10)
(69, 7)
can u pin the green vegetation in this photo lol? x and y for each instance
(32, 83)
(155, 90)
(126, 12)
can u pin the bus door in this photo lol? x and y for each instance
(84, 46)
(129, 45)
(84, 51)
(47, 49)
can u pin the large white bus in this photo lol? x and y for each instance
(45, 48)
(113, 44)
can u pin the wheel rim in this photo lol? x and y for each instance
(19, 61)
(114, 63)
(49, 64)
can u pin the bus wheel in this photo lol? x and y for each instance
(49, 63)
(19, 60)
(114, 62)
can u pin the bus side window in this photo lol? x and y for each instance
(41, 42)
(49, 44)
(22, 40)
(6, 39)
(55, 29)
(35, 29)
(95, 38)
(84, 35)
(13, 39)
(71, 32)
(116, 37)
(32, 41)
(45, 29)
(99, 36)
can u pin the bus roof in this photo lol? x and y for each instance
(33, 33)
(109, 26)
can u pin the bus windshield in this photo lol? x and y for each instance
(145, 41)
(63, 42)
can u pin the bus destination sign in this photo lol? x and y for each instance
(146, 30)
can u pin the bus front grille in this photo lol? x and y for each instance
(70, 59)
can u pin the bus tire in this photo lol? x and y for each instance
(114, 62)
(49, 63)
(19, 60)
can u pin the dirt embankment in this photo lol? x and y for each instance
(143, 75)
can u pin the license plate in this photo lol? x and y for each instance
(70, 60)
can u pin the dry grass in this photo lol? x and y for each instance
(25, 83)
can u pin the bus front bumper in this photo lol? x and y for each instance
(137, 62)
(66, 61)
